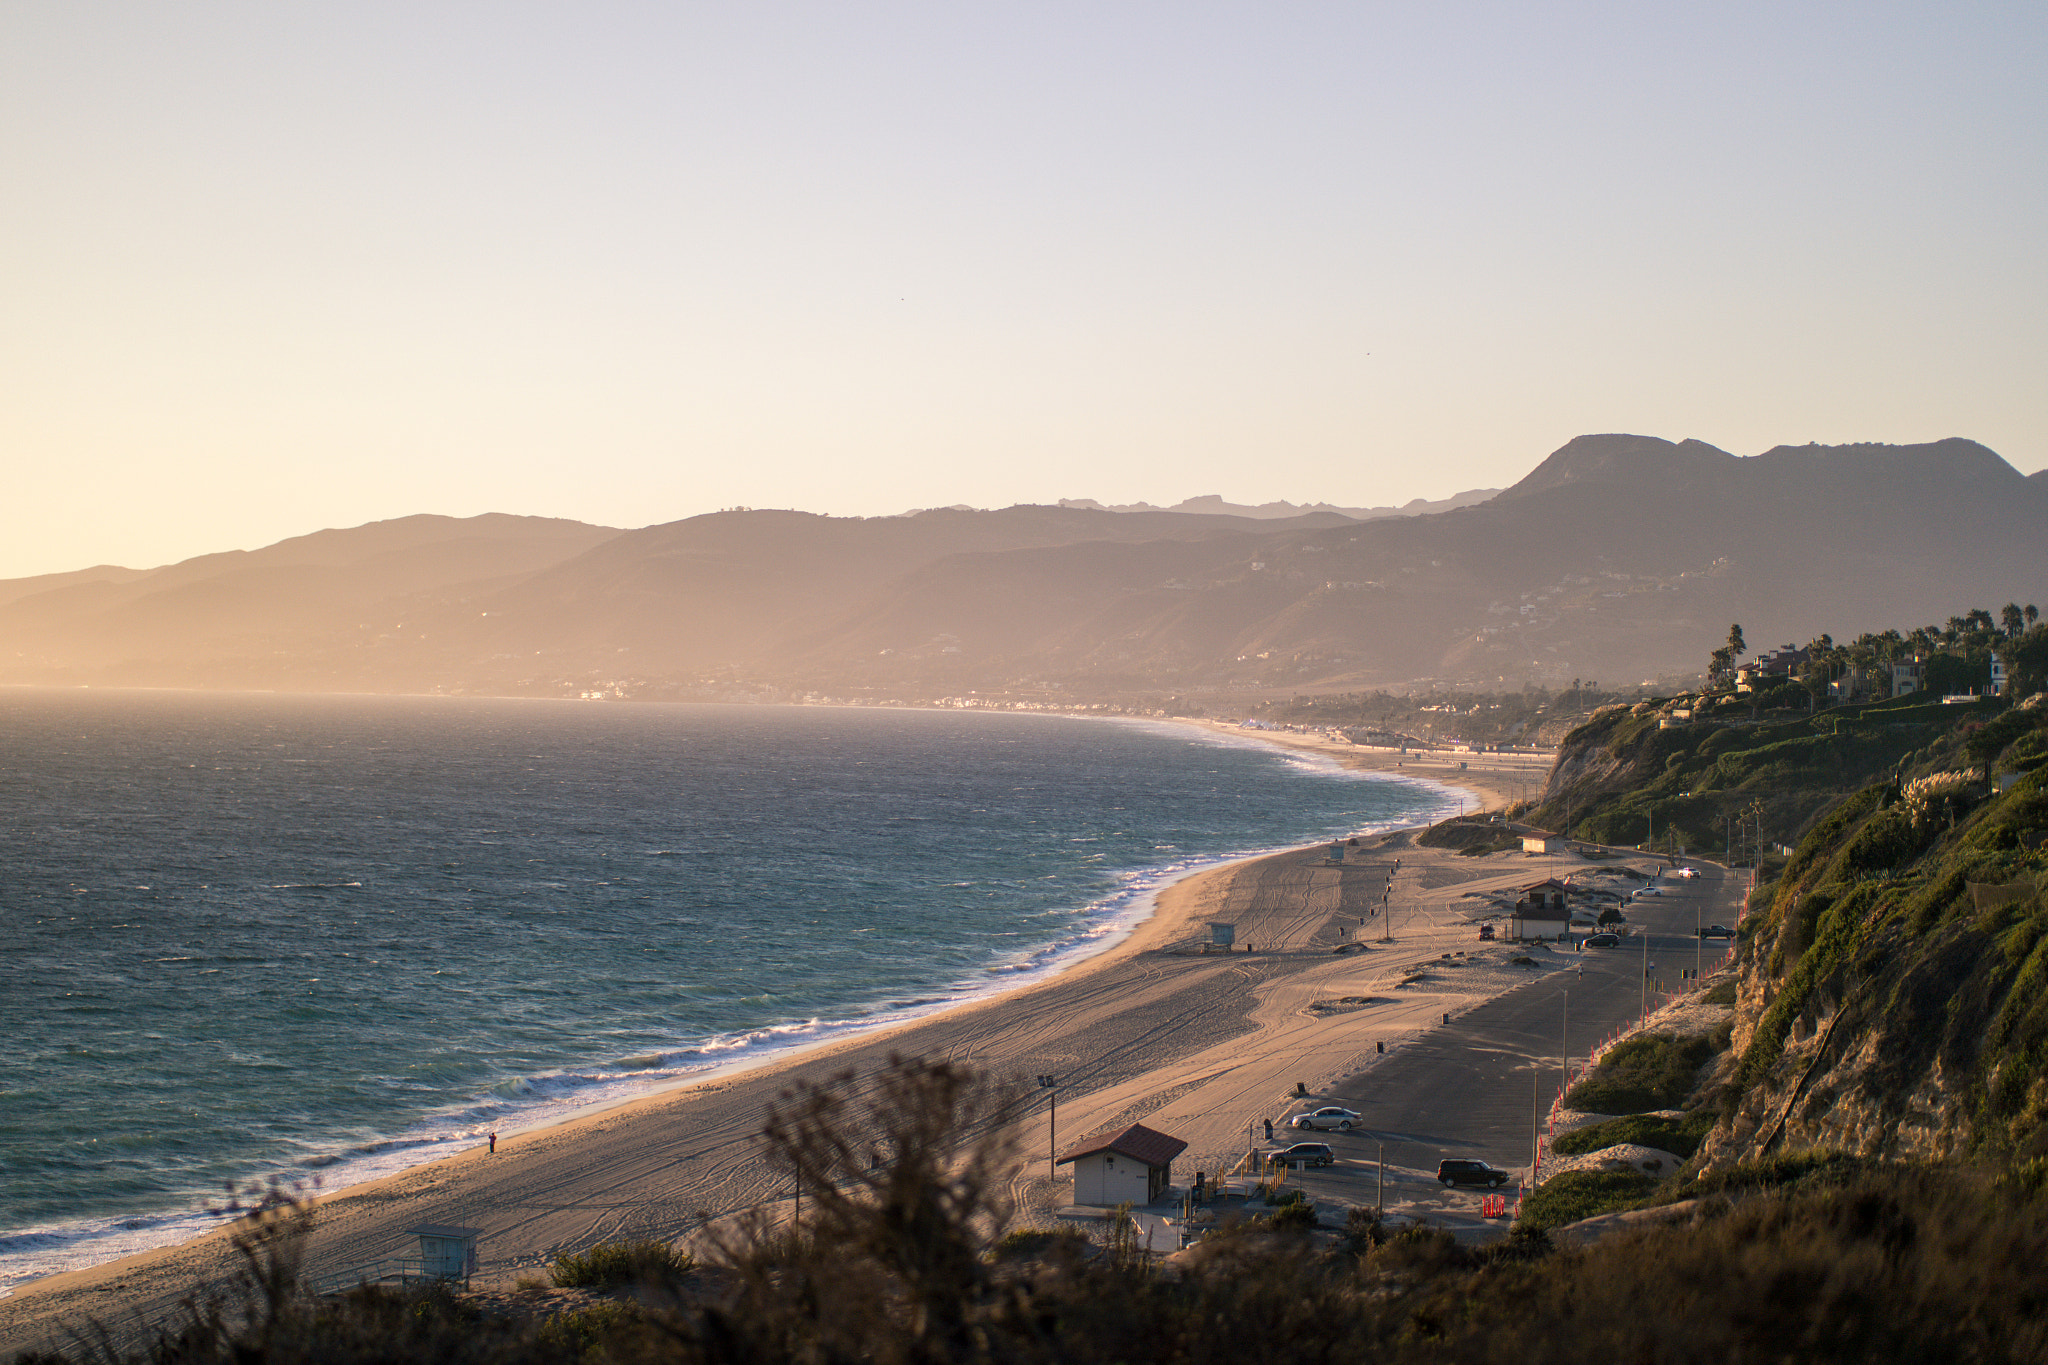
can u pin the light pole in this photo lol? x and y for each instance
(1645, 1011)
(1052, 1118)
(1564, 1051)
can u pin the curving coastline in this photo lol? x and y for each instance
(1136, 1029)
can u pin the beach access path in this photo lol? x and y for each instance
(1201, 1044)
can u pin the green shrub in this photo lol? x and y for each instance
(1040, 1244)
(1574, 1195)
(1809, 1170)
(1721, 994)
(1680, 1137)
(609, 1264)
(1299, 1216)
(600, 1332)
(1650, 1071)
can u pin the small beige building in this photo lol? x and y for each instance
(1134, 1166)
(1542, 841)
(1541, 910)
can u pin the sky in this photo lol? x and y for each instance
(273, 267)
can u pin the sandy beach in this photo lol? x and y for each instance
(1199, 1044)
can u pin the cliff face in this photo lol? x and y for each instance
(1687, 774)
(1869, 1060)
(1893, 978)
(1891, 1000)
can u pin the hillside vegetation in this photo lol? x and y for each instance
(1739, 774)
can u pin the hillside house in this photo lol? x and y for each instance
(1782, 662)
(2001, 675)
(1133, 1166)
(1908, 676)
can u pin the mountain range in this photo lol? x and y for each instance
(1618, 557)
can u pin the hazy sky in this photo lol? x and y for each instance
(276, 266)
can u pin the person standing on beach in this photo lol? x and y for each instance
(494, 1144)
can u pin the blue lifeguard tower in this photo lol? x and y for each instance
(447, 1255)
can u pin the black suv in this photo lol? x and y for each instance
(1307, 1153)
(1457, 1172)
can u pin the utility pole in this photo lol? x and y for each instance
(1564, 1051)
(1049, 1084)
(1646, 973)
(1535, 1123)
(1379, 1206)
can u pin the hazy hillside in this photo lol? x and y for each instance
(1617, 558)
(287, 614)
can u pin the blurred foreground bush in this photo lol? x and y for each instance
(905, 1204)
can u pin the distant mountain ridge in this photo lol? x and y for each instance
(1617, 557)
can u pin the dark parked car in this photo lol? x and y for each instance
(1307, 1153)
(1460, 1172)
(1717, 931)
(1603, 940)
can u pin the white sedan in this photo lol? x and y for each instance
(1329, 1116)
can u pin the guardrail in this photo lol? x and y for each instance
(404, 1271)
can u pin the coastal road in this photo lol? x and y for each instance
(1477, 1086)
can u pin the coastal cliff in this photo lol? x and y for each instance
(1890, 1001)
(1891, 970)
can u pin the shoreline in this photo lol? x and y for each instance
(710, 1119)
(1117, 918)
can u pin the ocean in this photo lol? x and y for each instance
(328, 938)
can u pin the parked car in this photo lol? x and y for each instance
(1717, 931)
(1307, 1153)
(1329, 1116)
(1642, 891)
(1687, 872)
(1456, 1171)
(1603, 940)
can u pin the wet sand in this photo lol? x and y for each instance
(1202, 1045)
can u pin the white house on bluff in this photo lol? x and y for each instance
(1134, 1166)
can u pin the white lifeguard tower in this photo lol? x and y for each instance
(446, 1253)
